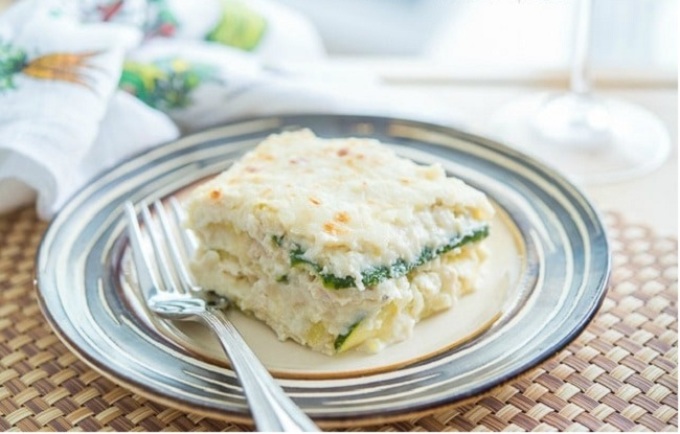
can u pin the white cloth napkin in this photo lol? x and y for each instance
(85, 84)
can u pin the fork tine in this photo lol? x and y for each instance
(173, 248)
(189, 242)
(146, 279)
(169, 279)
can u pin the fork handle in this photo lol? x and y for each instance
(271, 409)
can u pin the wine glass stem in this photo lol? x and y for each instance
(580, 77)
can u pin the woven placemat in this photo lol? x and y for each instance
(620, 374)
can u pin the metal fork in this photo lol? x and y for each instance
(178, 298)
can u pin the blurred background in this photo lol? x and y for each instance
(633, 41)
(499, 39)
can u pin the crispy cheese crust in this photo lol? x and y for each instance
(337, 243)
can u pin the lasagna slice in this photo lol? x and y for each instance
(337, 243)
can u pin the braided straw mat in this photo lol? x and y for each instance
(620, 374)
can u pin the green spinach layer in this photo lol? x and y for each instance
(399, 268)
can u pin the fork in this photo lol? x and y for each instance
(169, 291)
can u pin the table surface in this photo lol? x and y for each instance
(620, 374)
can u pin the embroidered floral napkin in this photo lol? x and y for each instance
(85, 84)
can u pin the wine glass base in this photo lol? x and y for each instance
(637, 142)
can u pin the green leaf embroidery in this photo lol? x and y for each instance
(12, 61)
(166, 83)
(239, 26)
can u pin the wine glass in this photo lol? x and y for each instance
(590, 138)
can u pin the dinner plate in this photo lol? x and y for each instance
(545, 277)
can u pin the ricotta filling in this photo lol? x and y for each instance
(335, 321)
